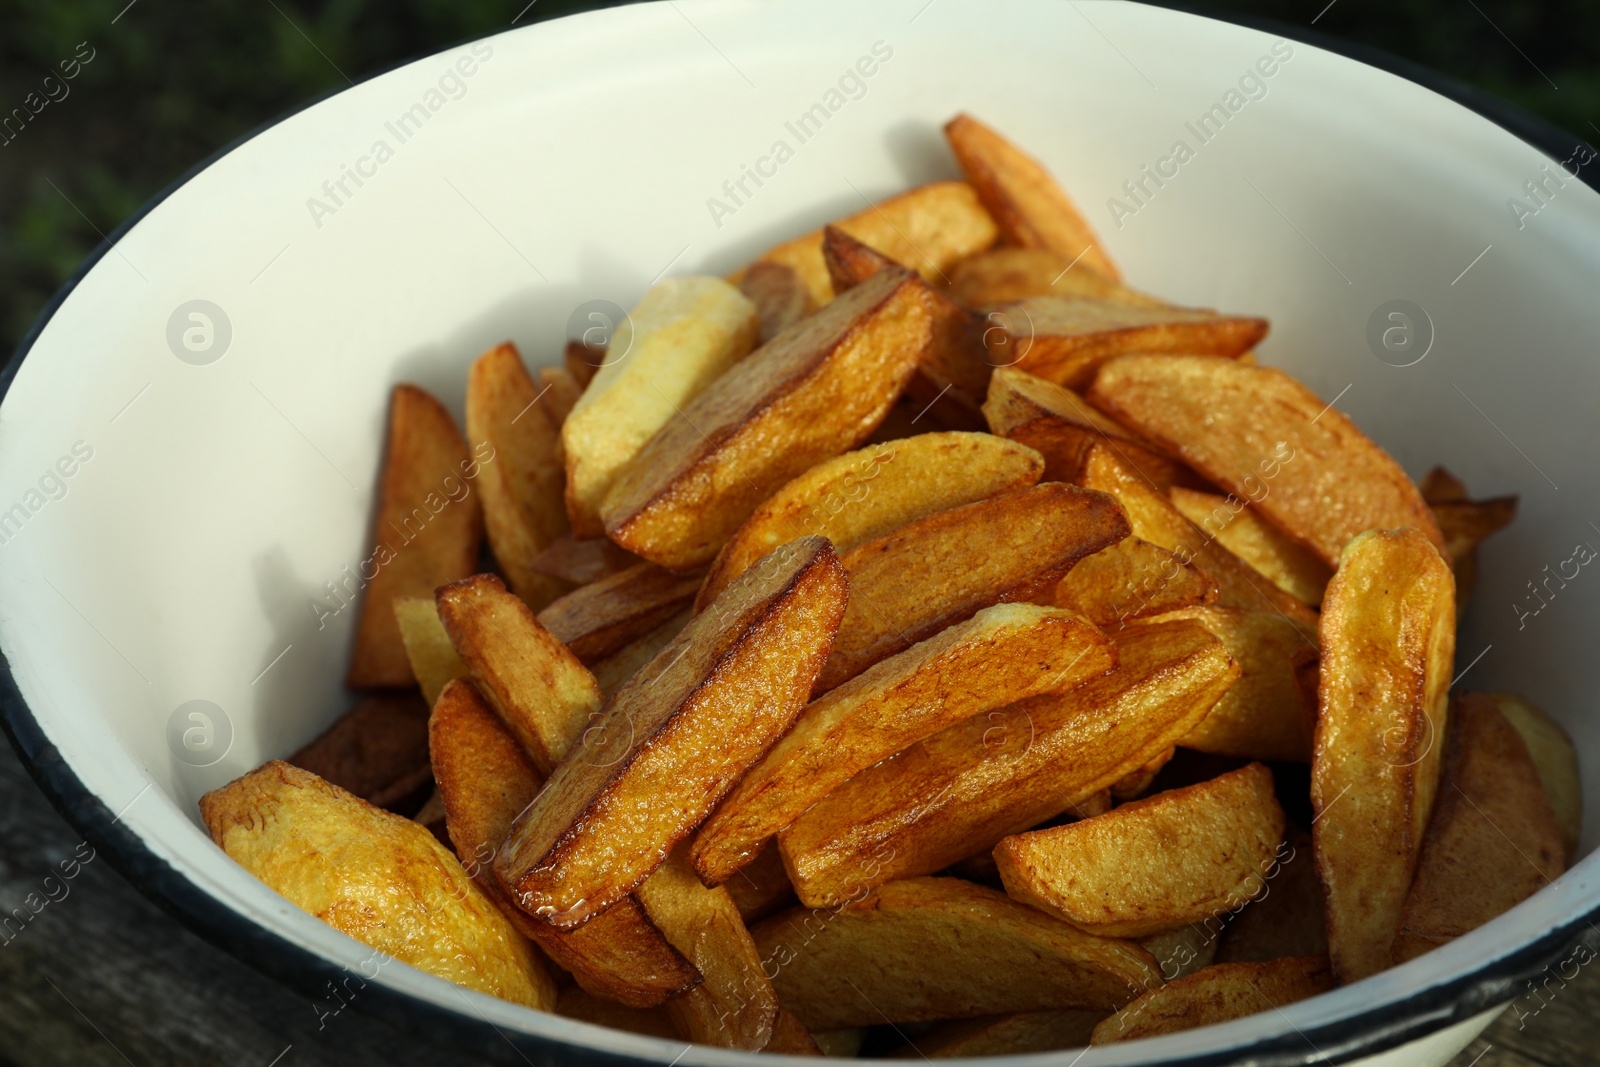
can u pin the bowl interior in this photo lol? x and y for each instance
(177, 513)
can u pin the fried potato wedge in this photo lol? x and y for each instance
(1132, 579)
(680, 338)
(1137, 783)
(561, 390)
(1003, 654)
(508, 418)
(963, 789)
(862, 495)
(1216, 994)
(1010, 273)
(928, 229)
(1557, 761)
(1154, 518)
(433, 658)
(1267, 714)
(581, 562)
(1283, 561)
(816, 390)
(617, 669)
(485, 780)
(575, 1002)
(1152, 865)
(1066, 339)
(1003, 1035)
(939, 570)
(673, 741)
(375, 876)
(761, 886)
(598, 619)
(940, 948)
(1493, 840)
(1185, 950)
(536, 685)
(429, 528)
(780, 297)
(582, 359)
(1287, 919)
(1465, 524)
(377, 750)
(734, 1006)
(1388, 643)
(431, 817)
(791, 1038)
(1267, 439)
(1025, 201)
(1063, 428)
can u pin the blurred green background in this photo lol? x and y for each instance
(166, 84)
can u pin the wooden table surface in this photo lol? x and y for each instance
(103, 977)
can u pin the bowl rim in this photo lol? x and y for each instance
(1368, 1032)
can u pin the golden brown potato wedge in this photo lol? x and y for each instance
(814, 391)
(485, 779)
(377, 750)
(1216, 994)
(1066, 339)
(598, 619)
(1063, 428)
(1388, 642)
(928, 229)
(680, 338)
(429, 529)
(1267, 714)
(1010, 273)
(581, 562)
(1283, 561)
(791, 1038)
(1267, 439)
(1003, 1035)
(1027, 204)
(939, 570)
(761, 886)
(1154, 518)
(433, 658)
(1493, 840)
(1465, 524)
(508, 418)
(1152, 865)
(862, 495)
(375, 876)
(1137, 783)
(431, 817)
(966, 787)
(1557, 761)
(940, 948)
(1001, 655)
(1287, 919)
(582, 360)
(575, 1002)
(1132, 579)
(617, 669)
(673, 741)
(560, 390)
(780, 297)
(528, 676)
(1185, 950)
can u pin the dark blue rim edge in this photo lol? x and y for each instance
(1372, 1032)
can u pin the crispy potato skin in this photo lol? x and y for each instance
(1003, 654)
(1288, 920)
(581, 562)
(598, 619)
(380, 878)
(872, 491)
(1388, 643)
(1493, 840)
(941, 569)
(1556, 760)
(377, 750)
(780, 297)
(1266, 438)
(816, 390)
(963, 789)
(940, 948)
(1280, 559)
(428, 529)
(617, 669)
(1152, 865)
(1132, 579)
(1216, 994)
(1009, 273)
(433, 658)
(672, 742)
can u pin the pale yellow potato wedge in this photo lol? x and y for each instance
(1493, 840)
(862, 495)
(1067, 339)
(1010, 273)
(1388, 644)
(1267, 714)
(433, 658)
(378, 877)
(581, 562)
(575, 1002)
(1557, 761)
(761, 886)
(1269, 440)
(816, 390)
(617, 669)
(535, 684)
(1003, 1035)
(780, 297)
(1132, 579)
(679, 339)
(1185, 950)
(428, 531)
(673, 741)
(508, 418)
(963, 789)
(1216, 994)
(1283, 561)
(598, 619)
(1001, 655)
(939, 570)
(1287, 919)
(560, 390)
(940, 948)
(1152, 865)
(1027, 204)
